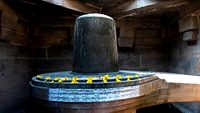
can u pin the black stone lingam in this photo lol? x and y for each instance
(95, 44)
(95, 80)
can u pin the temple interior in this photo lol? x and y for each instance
(36, 36)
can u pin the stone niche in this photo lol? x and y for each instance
(188, 26)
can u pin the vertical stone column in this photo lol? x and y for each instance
(95, 44)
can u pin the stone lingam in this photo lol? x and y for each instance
(96, 85)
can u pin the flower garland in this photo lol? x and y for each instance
(89, 80)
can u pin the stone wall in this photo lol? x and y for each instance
(148, 48)
(54, 44)
(15, 60)
(185, 54)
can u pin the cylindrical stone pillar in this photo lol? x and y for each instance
(95, 44)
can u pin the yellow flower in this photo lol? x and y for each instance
(105, 78)
(52, 81)
(56, 78)
(117, 78)
(60, 81)
(137, 76)
(74, 80)
(64, 79)
(90, 80)
(39, 76)
(48, 78)
(129, 78)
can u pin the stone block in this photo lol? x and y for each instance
(8, 51)
(14, 88)
(128, 61)
(190, 50)
(148, 37)
(53, 36)
(57, 22)
(22, 27)
(188, 23)
(46, 42)
(71, 31)
(138, 23)
(14, 65)
(126, 32)
(54, 31)
(6, 34)
(155, 61)
(20, 39)
(149, 50)
(9, 20)
(185, 64)
(177, 63)
(59, 52)
(126, 42)
(163, 33)
(188, 107)
(51, 65)
(190, 35)
(150, 33)
(41, 52)
(146, 41)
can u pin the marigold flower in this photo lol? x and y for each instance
(60, 81)
(56, 78)
(48, 78)
(105, 78)
(74, 80)
(39, 76)
(129, 78)
(117, 78)
(137, 76)
(64, 79)
(90, 80)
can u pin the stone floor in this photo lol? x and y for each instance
(163, 108)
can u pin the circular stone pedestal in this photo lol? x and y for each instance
(107, 92)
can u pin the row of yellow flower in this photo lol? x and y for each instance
(89, 79)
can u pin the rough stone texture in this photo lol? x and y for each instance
(13, 27)
(125, 42)
(126, 32)
(15, 60)
(15, 74)
(53, 36)
(185, 57)
(190, 35)
(192, 107)
(129, 61)
(189, 22)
